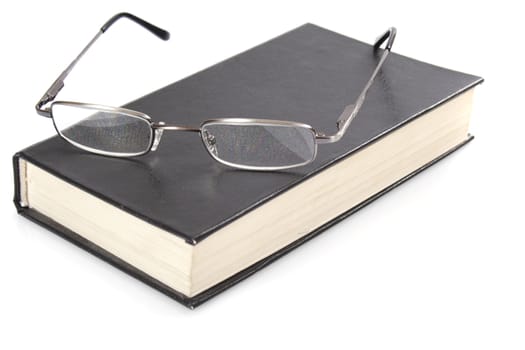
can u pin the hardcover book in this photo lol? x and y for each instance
(192, 227)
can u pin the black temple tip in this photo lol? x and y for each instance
(390, 34)
(159, 32)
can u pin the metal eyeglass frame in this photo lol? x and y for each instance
(44, 105)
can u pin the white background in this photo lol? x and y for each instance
(437, 263)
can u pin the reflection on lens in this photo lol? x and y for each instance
(102, 130)
(261, 145)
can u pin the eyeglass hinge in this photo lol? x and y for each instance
(50, 95)
(321, 137)
(44, 112)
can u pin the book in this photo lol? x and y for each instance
(192, 227)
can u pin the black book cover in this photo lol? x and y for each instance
(307, 75)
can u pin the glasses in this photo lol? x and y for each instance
(244, 143)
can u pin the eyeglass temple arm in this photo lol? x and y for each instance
(55, 88)
(350, 111)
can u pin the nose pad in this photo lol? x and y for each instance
(156, 140)
(211, 143)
